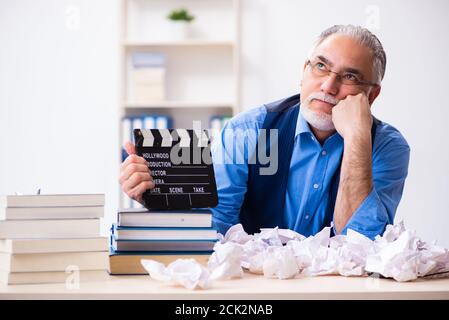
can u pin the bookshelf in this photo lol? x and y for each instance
(201, 71)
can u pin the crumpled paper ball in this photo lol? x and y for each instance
(185, 272)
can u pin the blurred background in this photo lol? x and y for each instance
(76, 76)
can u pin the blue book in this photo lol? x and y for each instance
(182, 254)
(163, 122)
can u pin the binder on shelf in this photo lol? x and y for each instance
(137, 123)
(127, 130)
(149, 122)
(225, 119)
(145, 121)
(217, 123)
(162, 122)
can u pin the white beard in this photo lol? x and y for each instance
(319, 120)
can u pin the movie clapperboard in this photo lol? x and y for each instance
(181, 166)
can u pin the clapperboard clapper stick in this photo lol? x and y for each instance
(181, 167)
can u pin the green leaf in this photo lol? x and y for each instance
(180, 15)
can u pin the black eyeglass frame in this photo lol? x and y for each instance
(339, 76)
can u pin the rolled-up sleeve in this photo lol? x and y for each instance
(391, 156)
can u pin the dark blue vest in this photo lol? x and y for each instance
(264, 202)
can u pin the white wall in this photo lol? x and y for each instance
(58, 97)
(59, 89)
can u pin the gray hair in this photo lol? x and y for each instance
(365, 38)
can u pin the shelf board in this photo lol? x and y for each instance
(180, 43)
(178, 104)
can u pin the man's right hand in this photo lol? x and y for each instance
(135, 177)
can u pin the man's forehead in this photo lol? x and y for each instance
(344, 52)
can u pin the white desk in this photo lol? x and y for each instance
(249, 287)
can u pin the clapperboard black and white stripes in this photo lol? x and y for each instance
(181, 166)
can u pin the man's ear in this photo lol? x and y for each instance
(373, 94)
(303, 71)
(305, 65)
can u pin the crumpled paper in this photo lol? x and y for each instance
(401, 255)
(279, 262)
(237, 234)
(224, 263)
(284, 254)
(185, 272)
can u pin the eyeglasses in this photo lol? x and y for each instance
(320, 69)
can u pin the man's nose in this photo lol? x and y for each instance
(330, 84)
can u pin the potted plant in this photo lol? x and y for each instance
(180, 22)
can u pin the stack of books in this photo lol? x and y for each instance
(161, 235)
(147, 77)
(48, 238)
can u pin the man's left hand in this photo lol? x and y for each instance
(352, 116)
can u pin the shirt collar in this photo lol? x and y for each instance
(301, 125)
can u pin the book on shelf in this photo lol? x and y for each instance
(52, 200)
(164, 218)
(63, 228)
(51, 276)
(29, 213)
(163, 245)
(54, 245)
(130, 262)
(55, 261)
(163, 122)
(147, 77)
(149, 233)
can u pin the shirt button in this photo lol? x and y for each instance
(306, 217)
(316, 185)
(323, 153)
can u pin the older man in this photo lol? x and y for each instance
(335, 161)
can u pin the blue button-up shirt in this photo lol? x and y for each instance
(311, 169)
